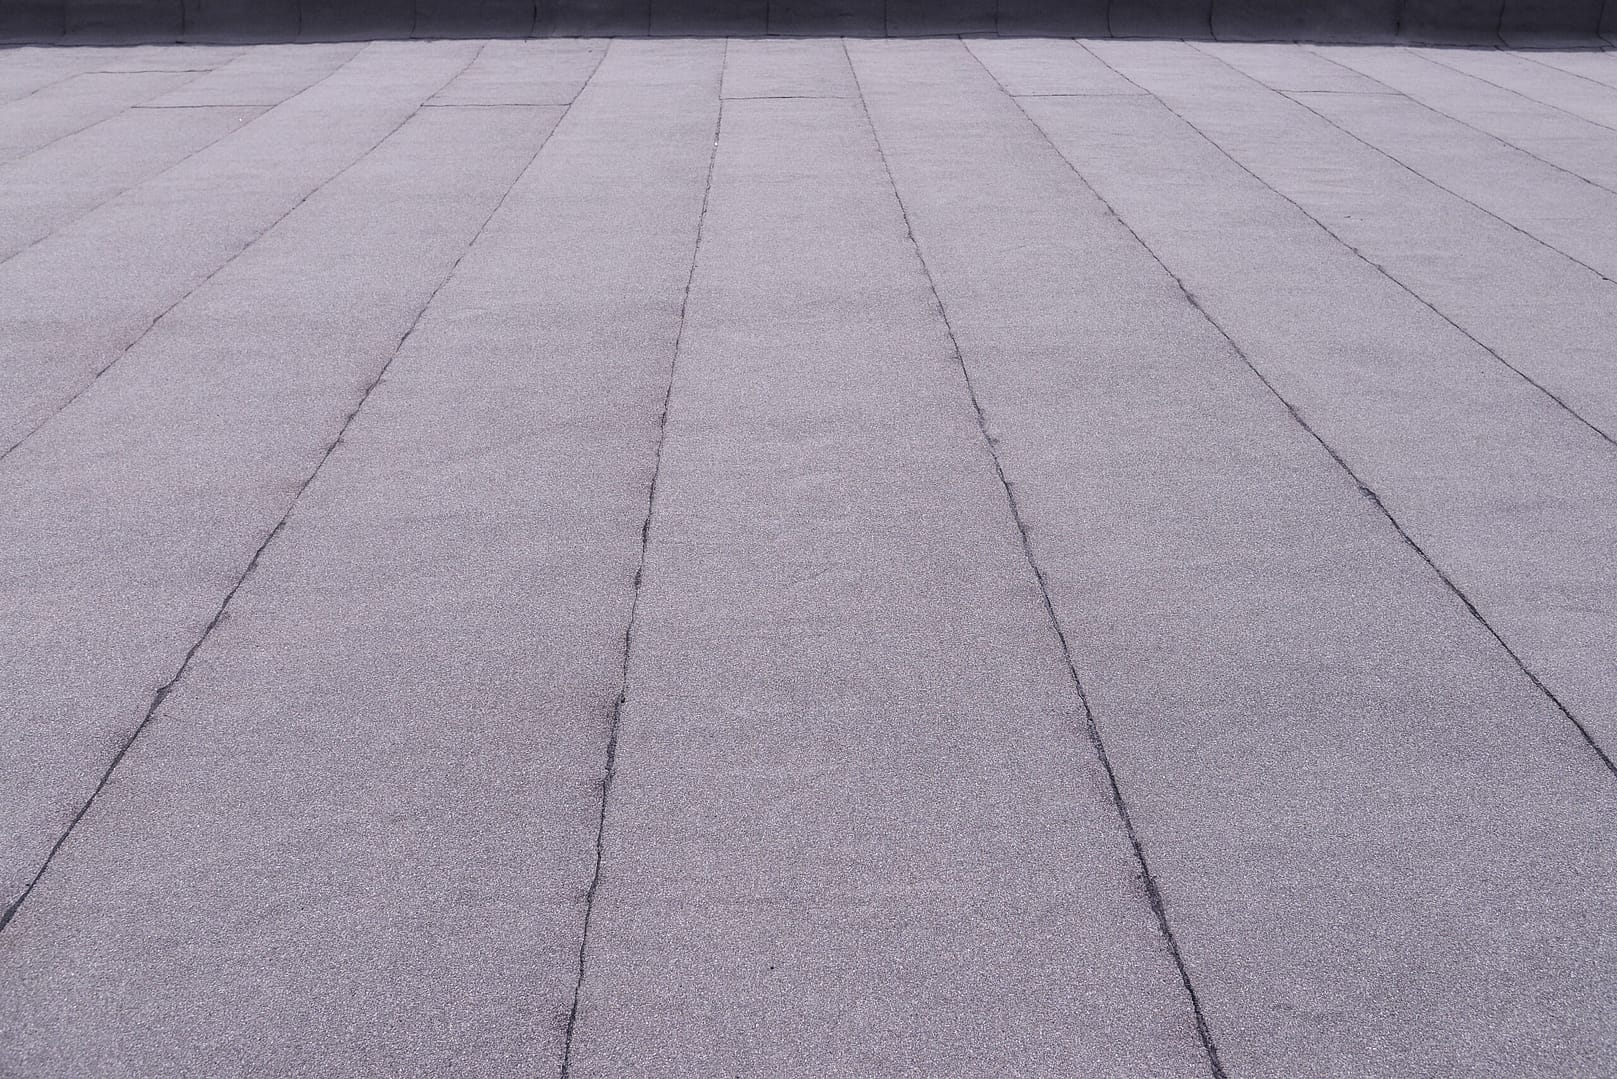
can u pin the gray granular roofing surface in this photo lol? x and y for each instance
(808, 558)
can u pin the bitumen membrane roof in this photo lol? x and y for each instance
(771, 557)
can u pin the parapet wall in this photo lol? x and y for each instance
(1516, 22)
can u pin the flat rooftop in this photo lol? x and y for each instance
(776, 557)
